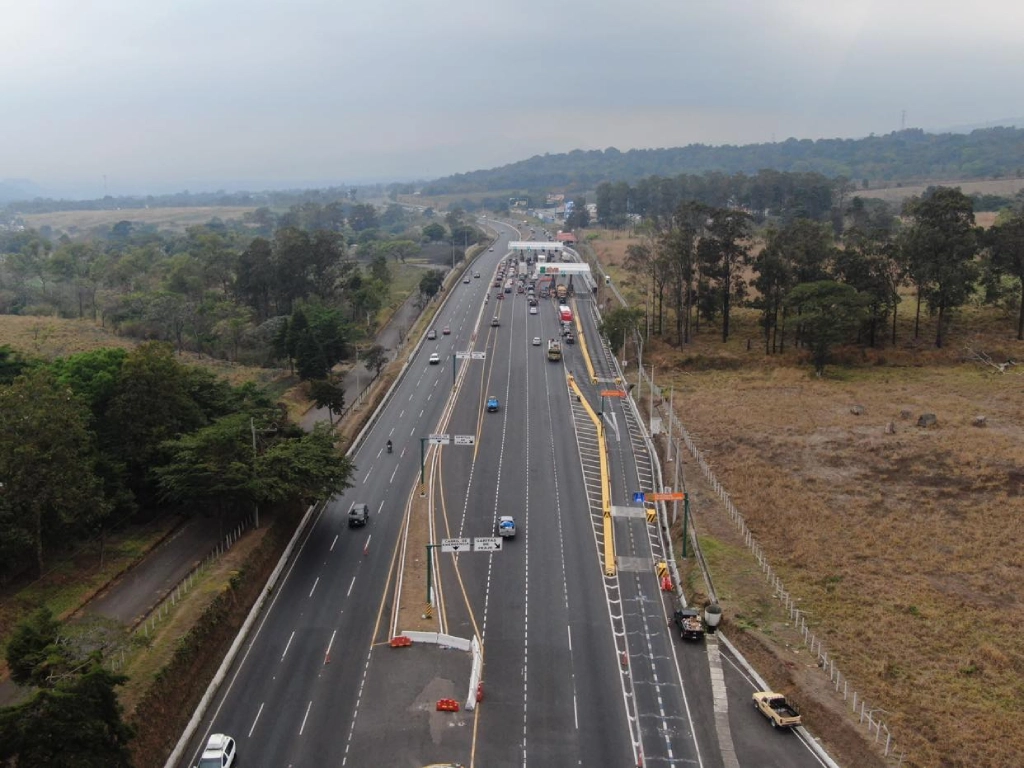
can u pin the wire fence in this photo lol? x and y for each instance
(150, 622)
(862, 710)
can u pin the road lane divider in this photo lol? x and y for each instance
(582, 339)
(606, 491)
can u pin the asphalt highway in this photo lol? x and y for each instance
(579, 668)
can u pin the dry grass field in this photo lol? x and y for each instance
(1006, 187)
(52, 337)
(78, 222)
(905, 548)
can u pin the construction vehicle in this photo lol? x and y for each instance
(554, 350)
(774, 706)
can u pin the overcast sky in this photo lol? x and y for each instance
(164, 95)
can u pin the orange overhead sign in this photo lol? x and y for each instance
(664, 496)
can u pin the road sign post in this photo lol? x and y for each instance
(423, 460)
(686, 519)
(430, 572)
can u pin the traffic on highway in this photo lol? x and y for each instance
(461, 605)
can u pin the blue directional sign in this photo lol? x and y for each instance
(638, 497)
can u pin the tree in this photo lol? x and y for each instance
(329, 394)
(678, 248)
(50, 490)
(870, 263)
(621, 324)
(211, 467)
(829, 313)
(254, 277)
(75, 724)
(941, 246)
(363, 216)
(376, 357)
(724, 255)
(308, 467)
(34, 654)
(434, 232)
(11, 364)
(379, 269)
(431, 282)
(326, 263)
(1006, 251)
(152, 403)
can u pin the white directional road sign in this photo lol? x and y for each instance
(465, 439)
(462, 355)
(455, 545)
(439, 439)
(487, 544)
(479, 355)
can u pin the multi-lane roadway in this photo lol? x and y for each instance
(580, 667)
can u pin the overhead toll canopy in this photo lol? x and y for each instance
(563, 268)
(534, 245)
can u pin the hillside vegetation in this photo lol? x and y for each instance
(903, 155)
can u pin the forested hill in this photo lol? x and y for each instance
(905, 155)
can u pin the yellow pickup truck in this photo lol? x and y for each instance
(779, 712)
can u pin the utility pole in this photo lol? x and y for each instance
(651, 387)
(671, 415)
(252, 428)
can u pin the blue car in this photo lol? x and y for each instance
(492, 404)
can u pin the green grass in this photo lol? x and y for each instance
(70, 582)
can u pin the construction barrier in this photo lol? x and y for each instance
(401, 641)
(661, 569)
(479, 692)
(447, 705)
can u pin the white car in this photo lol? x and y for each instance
(536, 341)
(219, 752)
(533, 310)
(435, 358)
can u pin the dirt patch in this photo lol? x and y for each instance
(80, 222)
(902, 544)
(902, 547)
(412, 601)
(1005, 187)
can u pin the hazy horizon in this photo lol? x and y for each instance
(122, 98)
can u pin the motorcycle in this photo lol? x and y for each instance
(389, 446)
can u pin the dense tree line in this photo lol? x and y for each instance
(766, 194)
(903, 155)
(223, 289)
(88, 441)
(819, 283)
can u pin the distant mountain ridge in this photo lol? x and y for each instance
(18, 189)
(906, 155)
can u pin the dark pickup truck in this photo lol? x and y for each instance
(690, 624)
